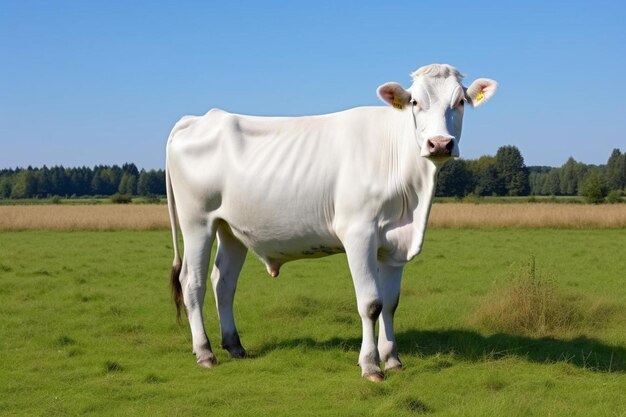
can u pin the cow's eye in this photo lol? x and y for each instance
(461, 103)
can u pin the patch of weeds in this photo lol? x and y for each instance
(5, 268)
(534, 306)
(112, 367)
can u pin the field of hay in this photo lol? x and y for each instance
(528, 215)
(84, 217)
(449, 215)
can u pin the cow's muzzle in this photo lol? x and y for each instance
(439, 147)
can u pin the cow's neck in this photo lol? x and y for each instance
(415, 180)
(415, 174)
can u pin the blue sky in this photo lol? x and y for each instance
(103, 82)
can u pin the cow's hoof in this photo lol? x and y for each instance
(207, 363)
(374, 377)
(238, 353)
(394, 368)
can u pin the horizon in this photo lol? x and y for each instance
(140, 168)
(88, 84)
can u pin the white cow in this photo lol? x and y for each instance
(360, 181)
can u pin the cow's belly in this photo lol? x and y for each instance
(295, 247)
(278, 236)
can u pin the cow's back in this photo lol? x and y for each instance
(255, 160)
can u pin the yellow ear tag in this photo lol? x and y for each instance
(397, 103)
(479, 97)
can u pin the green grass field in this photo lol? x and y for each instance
(87, 328)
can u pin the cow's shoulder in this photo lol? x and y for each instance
(189, 125)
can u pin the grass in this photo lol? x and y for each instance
(87, 328)
(448, 215)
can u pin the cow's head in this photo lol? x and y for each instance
(437, 99)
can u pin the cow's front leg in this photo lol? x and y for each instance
(361, 252)
(390, 279)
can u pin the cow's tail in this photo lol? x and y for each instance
(177, 291)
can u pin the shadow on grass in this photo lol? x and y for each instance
(468, 345)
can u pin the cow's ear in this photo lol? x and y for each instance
(394, 94)
(480, 91)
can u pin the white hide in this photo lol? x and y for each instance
(359, 181)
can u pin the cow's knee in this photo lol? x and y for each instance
(371, 309)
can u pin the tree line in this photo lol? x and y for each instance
(101, 180)
(504, 174)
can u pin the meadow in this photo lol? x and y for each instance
(87, 328)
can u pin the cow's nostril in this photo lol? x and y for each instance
(450, 145)
(430, 144)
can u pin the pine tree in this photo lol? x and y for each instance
(151, 182)
(616, 170)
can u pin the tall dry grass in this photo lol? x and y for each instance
(87, 217)
(532, 305)
(450, 215)
(571, 216)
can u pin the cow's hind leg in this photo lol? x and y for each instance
(390, 279)
(198, 243)
(231, 254)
